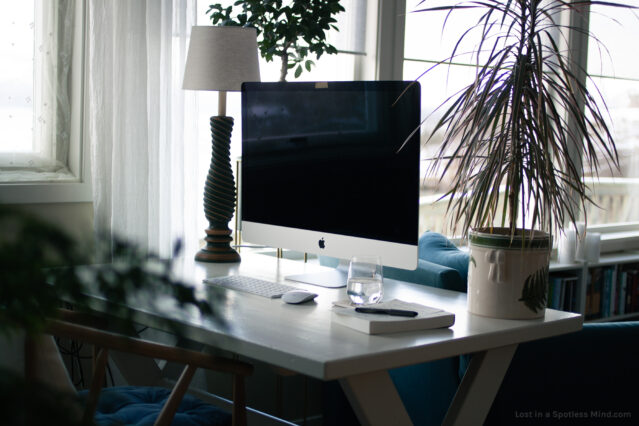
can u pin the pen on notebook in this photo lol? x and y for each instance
(393, 312)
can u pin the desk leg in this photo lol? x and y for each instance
(375, 400)
(479, 386)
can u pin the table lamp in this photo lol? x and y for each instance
(220, 58)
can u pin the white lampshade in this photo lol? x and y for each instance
(221, 58)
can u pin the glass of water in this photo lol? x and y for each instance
(365, 280)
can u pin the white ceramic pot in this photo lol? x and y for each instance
(508, 277)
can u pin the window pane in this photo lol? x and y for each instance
(351, 23)
(41, 92)
(16, 78)
(437, 85)
(350, 38)
(615, 27)
(614, 70)
(427, 38)
(615, 73)
(616, 191)
(426, 42)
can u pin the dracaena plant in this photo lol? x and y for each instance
(290, 30)
(507, 139)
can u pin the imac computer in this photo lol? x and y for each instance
(323, 172)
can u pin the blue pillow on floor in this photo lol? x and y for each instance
(138, 405)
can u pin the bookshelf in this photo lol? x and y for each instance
(607, 290)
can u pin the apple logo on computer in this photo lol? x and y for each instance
(321, 243)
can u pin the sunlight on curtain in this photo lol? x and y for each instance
(142, 124)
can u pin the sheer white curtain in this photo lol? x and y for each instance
(142, 125)
(54, 40)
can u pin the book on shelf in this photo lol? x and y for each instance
(570, 301)
(612, 290)
(563, 292)
(632, 291)
(621, 300)
(593, 292)
(606, 292)
(554, 291)
(427, 317)
(628, 298)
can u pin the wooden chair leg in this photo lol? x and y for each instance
(96, 385)
(170, 408)
(239, 402)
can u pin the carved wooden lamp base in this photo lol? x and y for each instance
(219, 196)
(218, 247)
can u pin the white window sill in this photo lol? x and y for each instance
(32, 177)
(49, 192)
(619, 241)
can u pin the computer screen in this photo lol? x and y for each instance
(323, 172)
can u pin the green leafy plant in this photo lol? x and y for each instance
(290, 30)
(41, 266)
(507, 144)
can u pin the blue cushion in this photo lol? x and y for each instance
(427, 273)
(436, 248)
(138, 405)
(430, 274)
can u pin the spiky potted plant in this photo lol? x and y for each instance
(507, 144)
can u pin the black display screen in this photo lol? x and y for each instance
(326, 157)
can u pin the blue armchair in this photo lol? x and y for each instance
(581, 378)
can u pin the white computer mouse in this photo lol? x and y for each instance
(298, 296)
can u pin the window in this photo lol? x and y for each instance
(425, 44)
(355, 42)
(41, 104)
(351, 63)
(614, 71)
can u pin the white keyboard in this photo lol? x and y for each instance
(251, 285)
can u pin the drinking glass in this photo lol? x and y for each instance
(365, 280)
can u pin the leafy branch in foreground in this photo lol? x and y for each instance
(41, 266)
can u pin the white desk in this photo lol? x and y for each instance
(303, 339)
